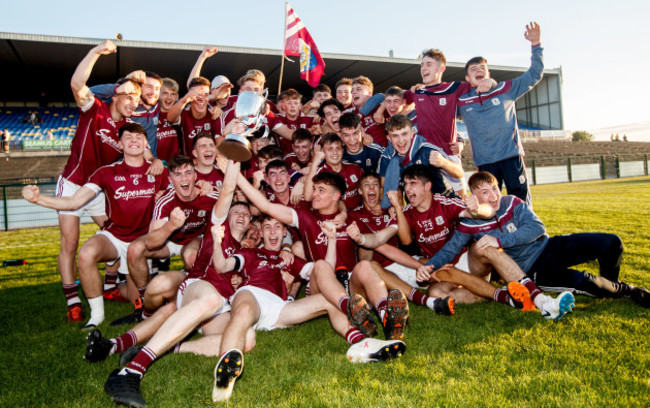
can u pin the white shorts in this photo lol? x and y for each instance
(458, 184)
(225, 305)
(174, 249)
(270, 307)
(93, 208)
(408, 274)
(121, 248)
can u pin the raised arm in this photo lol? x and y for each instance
(317, 157)
(370, 241)
(80, 90)
(221, 207)
(476, 210)
(32, 194)
(329, 229)
(221, 263)
(280, 212)
(403, 227)
(198, 65)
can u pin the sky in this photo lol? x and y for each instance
(601, 46)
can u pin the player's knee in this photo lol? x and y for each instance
(135, 250)
(613, 244)
(86, 258)
(210, 304)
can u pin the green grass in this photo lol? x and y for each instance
(488, 355)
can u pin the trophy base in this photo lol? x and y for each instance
(236, 148)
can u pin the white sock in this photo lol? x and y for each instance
(109, 286)
(430, 302)
(540, 299)
(74, 300)
(96, 310)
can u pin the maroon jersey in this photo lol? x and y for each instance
(352, 174)
(167, 138)
(292, 159)
(215, 177)
(435, 107)
(370, 223)
(374, 129)
(197, 213)
(130, 195)
(434, 227)
(192, 127)
(95, 143)
(204, 267)
(302, 122)
(262, 268)
(315, 241)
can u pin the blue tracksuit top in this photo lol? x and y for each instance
(520, 233)
(491, 117)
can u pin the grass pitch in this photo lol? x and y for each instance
(487, 355)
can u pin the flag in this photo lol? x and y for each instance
(298, 42)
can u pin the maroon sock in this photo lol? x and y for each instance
(125, 341)
(110, 278)
(501, 296)
(71, 292)
(142, 360)
(343, 303)
(418, 297)
(532, 288)
(353, 335)
(147, 313)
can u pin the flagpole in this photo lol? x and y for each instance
(282, 49)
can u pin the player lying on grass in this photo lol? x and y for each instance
(328, 188)
(130, 194)
(547, 261)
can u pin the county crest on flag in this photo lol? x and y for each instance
(312, 65)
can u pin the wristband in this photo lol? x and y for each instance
(363, 240)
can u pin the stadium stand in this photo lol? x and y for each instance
(61, 120)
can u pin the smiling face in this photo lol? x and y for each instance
(278, 178)
(417, 191)
(394, 104)
(125, 104)
(324, 197)
(183, 179)
(239, 219)
(352, 137)
(168, 98)
(333, 153)
(488, 193)
(476, 73)
(401, 139)
(273, 232)
(332, 114)
(360, 94)
(132, 143)
(431, 70)
(370, 190)
(344, 94)
(205, 151)
(200, 103)
(302, 149)
(151, 91)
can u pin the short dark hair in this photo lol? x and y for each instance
(330, 137)
(270, 151)
(321, 108)
(133, 128)
(331, 178)
(369, 174)
(481, 177)
(199, 81)
(151, 74)
(276, 164)
(322, 88)
(394, 91)
(475, 60)
(419, 172)
(201, 135)
(301, 134)
(178, 161)
(242, 203)
(398, 121)
(349, 120)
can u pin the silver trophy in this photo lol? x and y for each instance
(249, 110)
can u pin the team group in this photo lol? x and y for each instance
(359, 197)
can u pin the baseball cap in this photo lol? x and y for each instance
(220, 80)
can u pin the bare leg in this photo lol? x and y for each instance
(365, 278)
(323, 280)
(162, 288)
(244, 313)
